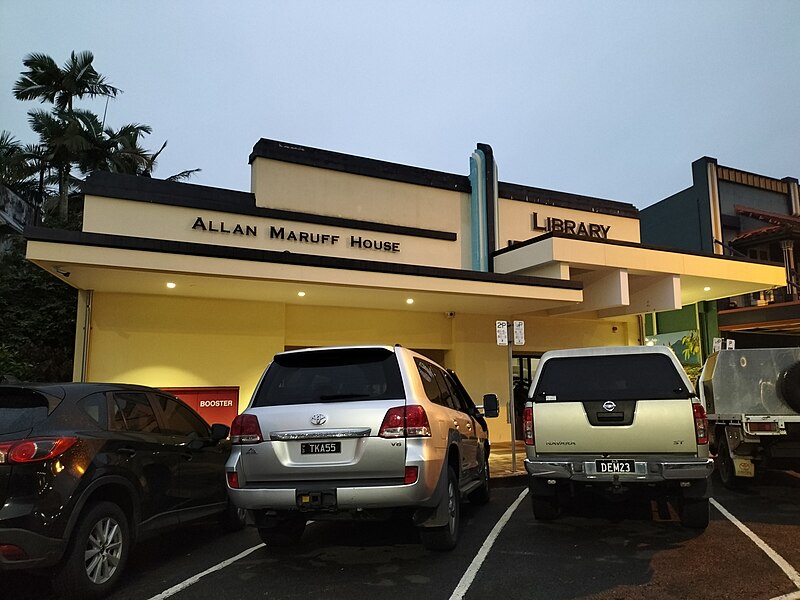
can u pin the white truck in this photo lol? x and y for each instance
(752, 398)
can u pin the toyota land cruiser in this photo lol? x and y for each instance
(362, 433)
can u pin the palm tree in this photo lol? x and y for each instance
(70, 137)
(46, 82)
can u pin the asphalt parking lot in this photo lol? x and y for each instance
(597, 550)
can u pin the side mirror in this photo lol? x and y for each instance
(219, 431)
(491, 405)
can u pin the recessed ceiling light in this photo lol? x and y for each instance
(171, 285)
(301, 294)
(409, 301)
(706, 289)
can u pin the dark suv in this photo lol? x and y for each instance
(86, 469)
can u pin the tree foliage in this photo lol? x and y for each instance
(37, 331)
(37, 311)
(72, 141)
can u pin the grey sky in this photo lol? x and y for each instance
(611, 99)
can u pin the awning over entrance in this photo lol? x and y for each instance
(619, 278)
(127, 265)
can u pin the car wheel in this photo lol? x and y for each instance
(545, 508)
(724, 463)
(445, 537)
(695, 513)
(97, 553)
(286, 531)
(233, 518)
(482, 494)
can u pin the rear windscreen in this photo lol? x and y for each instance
(613, 377)
(21, 410)
(331, 376)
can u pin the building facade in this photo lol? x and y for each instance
(731, 212)
(194, 288)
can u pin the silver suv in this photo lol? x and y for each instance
(360, 432)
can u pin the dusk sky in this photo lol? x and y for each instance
(611, 99)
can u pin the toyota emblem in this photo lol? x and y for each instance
(608, 405)
(318, 419)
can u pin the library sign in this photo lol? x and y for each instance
(290, 236)
(581, 228)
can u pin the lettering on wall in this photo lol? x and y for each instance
(591, 230)
(284, 234)
(219, 227)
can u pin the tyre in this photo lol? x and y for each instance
(789, 386)
(724, 464)
(695, 513)
(482, 495)
(446, 537)
(545, 508)
(286, 531)
(233, 518)
(96, 554)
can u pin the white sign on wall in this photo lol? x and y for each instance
(519, 333)
(501, 329)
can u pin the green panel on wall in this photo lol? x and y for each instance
(648, 324)
(677, 320)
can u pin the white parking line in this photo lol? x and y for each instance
(195, 578)
(790, 571)
(475, 565)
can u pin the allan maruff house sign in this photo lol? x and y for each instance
(290, 235)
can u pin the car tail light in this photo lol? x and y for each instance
(233, 480)
(10, 552)
(35, 449)
(405, 421)
(700, 423)
(527, 425)
(411, 475)
(246, 430)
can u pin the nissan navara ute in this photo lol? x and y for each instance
(616, 419)
(362, 433)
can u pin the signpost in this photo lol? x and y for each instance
(518, 338)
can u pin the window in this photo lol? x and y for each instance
(427, 373)
(96, 407)
(179, 420)
(20, 410)
(617, 377)
(133, 412)
(331, 376)
(449, 393)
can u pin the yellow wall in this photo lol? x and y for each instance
(186, 342)
(182, 342)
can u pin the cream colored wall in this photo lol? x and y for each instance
(182, 342)
(177, 223)
(319, 191)
(515, 221)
